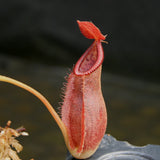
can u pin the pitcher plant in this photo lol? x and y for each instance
(83, 112)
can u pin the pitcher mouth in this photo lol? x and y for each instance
(90, 60)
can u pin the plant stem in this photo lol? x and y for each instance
(39, 96)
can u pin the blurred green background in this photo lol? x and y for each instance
(39, 43)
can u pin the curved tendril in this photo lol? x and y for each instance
(40, 97)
